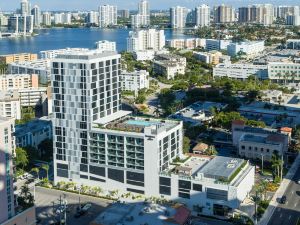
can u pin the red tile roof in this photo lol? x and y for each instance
(286, 129)
(182, 215)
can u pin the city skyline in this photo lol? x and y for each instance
(154, 4)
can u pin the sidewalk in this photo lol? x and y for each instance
(284, 184)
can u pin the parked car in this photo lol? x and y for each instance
(60, 209)
(283, 199)
(78, 214)
(86, 207)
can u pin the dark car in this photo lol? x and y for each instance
(79, 213)
(283, 199)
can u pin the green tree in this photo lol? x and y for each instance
(186, 144)
(46, 168)
(36, 171)
(21, 159)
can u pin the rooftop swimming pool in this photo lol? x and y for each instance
(141, 123)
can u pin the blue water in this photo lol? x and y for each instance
(141, 123)
(62, 38)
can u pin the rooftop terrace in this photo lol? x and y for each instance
(122, 121)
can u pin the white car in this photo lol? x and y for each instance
(61, 209)
(298, 181)
(86, 207)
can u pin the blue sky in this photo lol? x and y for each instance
(129, 4)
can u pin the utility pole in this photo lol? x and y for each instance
(53, 210)
(60, 209)
(65, 209)
(281, 173)
(255, 205)
(262, 164)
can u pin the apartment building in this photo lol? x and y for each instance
(284, 72)
(134, 81)
(108, 16)
(202, 15)
(224, 14)
(40, 67)
(142, 19)
(7, 148)
(32, 96)
(240, 71)
(18, 81)
(10, 106)
(106, 45)
(97, 143)
(169, 65)
(216, 44)
(33, 132)
(144, 55)
(257, 13)
(46, 19)
(189, 43)
(178, 17)
(250, 48)
(22, 57)
(20, 24)
(142, 40)
(212, 57)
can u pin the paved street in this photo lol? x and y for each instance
(209, 221)
(46, 197)
(289, 213)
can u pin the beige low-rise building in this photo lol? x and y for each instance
(10, 105)
(21, 57)
(18, 81)
(212, 57)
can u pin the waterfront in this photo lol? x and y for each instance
(76, 37)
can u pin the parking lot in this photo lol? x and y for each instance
(47, 202)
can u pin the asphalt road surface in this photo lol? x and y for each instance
(47, 201)
(289, 213)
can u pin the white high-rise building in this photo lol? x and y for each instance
(93, 18)
(142, 19)
(264, 14)
(108, 16)
(98, 144)
(178, 17)
(62, 18)
(142, 40)
(106, 46)
(202, 16)
(25, 7)
(46, 19)
(36, 13)
(58, 18)
(144, 8)
(224, 14)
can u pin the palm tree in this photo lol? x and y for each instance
(46, 168)
(36, 170)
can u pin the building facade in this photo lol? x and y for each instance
(178, 17)
(10, 106)
(224, 14)
(22, 57)
(284, 72)
(106, 46)
(7, 148)
(202, 16)
(33, 132)
(18, 81)
(240, 71)
(20, 24)
(142, 40)
(108, 16)
(250, 49)
(142, 19)
(134, 81)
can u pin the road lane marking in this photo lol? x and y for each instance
(280, 215)
(290, 217)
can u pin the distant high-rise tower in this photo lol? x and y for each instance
(142, 19)
(178, 16)
(25, 7)
(46, 19)
(36, 13)
(223, 14)
(107, 15)
(144, 8)
(202, 16)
